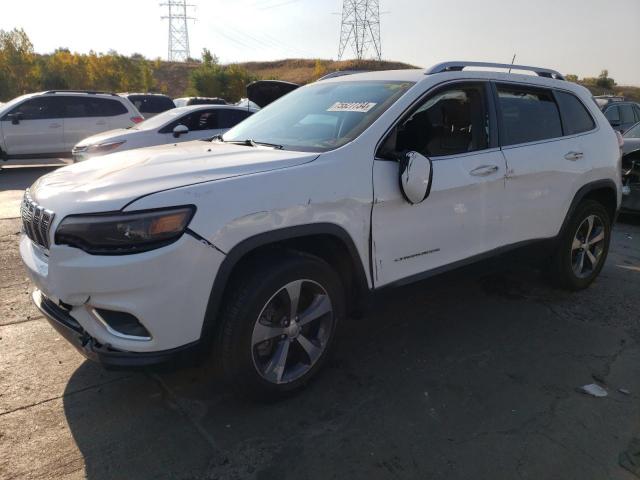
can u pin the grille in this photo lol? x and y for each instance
(36, 221)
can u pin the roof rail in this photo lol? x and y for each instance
(459, 66)
(89, 92)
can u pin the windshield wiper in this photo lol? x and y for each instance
(252, 143)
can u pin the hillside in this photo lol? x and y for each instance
(174, 77)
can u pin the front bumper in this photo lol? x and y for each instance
(93, 350)
(166, 290)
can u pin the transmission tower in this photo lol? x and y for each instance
(360, 28)
(178, 31)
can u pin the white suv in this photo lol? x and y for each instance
(48, 124)
(257, 245)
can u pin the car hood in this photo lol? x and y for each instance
(103, 137)
(110, 182)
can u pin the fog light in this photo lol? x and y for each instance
(121, 324)
(626, 190)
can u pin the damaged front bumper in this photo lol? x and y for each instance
(90, 348)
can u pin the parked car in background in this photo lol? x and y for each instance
(150, 104)
(176, 125)
(186, 101)
(264, 92)
(620, 112)
(246, 103)
(631, 170)
(48, 124)
(631, 139)
(258, 244)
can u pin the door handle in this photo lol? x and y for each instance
(101, 122)
(573, 156)
(55, 125)
(484, 170)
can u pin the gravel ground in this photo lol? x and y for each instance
(468, 375)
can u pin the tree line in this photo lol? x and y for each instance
(23, 71)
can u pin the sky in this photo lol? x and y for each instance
(581, 37)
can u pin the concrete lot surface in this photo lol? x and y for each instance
(470, 375)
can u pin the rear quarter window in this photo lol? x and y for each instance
(77, 107)
(528, 114)
(575, 116)
(151, 103)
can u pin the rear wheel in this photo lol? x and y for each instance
(583, 247)
(279, 324)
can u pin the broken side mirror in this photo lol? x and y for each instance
(416, 176)
(180, 130)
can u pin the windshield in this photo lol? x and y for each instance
(633, 132)
(161, 119)
(319, 117)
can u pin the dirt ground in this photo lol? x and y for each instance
(468, 375)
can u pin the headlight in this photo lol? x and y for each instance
(104, 148)
(122, 233)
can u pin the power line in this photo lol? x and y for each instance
(178, 50)
(360, 28)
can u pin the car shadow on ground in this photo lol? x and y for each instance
(470, 374)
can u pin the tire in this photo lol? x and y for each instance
(566, 268)
(257, 331)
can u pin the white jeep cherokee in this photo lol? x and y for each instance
(258, 244)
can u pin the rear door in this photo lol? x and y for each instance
(35, 127)
(546, 153)
(88, 115)
(455, 127)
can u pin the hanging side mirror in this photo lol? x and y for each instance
(180, 130)
(416, 176)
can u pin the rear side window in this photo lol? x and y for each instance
(637, 110)
(230, 118)
(528, 115)
(626, 114)
(77, 107)
(151, 103)
(575, 116)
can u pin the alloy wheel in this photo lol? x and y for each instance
(587, 247)
(292, 331)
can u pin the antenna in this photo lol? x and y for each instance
(513, 60)
(178, 32)
(360, 28)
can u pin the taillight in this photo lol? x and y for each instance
(137, 119)
(620, 139)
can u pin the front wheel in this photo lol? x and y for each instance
(279, 323)
(583, 247)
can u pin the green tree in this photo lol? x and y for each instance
(604, 81)
(17, 64)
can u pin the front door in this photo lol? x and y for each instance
(34, 127)
(461, 217)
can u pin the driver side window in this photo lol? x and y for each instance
(452, 121)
